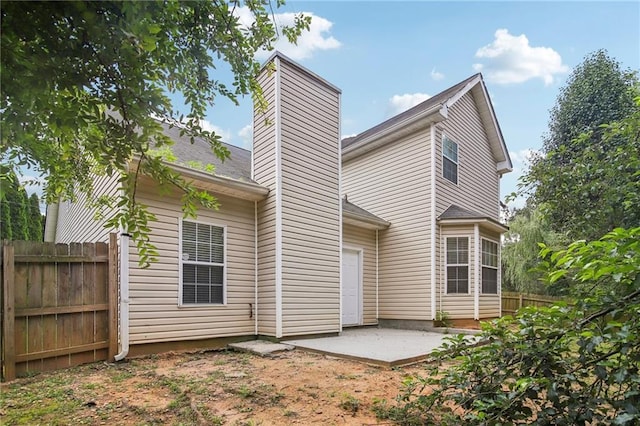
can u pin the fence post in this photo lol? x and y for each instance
(8, 311)
(520, 301)
(113, 296)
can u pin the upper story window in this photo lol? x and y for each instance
(449, 160)
(457, 265)
(489, 267)
(203, 263)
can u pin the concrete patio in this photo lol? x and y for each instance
(380, 346)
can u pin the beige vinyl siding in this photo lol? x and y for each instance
(154, 312)
(478, 185)
(77, 221)
(264, 169)
(364, 239)
(393, 182)
(310, 204)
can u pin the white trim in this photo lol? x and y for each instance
(499, 280)
(360, 251)
(255, 266)
(278, 164)
(455, 98)
(433, 223)
(340, 218)
(476, 278)
(377, 286)
(181, 263)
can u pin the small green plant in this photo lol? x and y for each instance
(245, 391)
(443, 319)
(350, 403)
(290, 413)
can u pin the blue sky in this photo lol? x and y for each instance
(386, 56)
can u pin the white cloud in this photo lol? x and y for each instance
(400, 103)
(436, 75)
(226, 135)
(246, 134)
(318, 37)
(523, 157)
(510, 59)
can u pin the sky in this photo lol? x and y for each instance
(388, 56)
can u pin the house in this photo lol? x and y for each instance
(315, 234)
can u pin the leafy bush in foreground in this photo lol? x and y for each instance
(563, 365)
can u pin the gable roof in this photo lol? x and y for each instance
(456, 215)
(433, 110)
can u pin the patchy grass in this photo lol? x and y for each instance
(204, 388)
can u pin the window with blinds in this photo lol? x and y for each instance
(450, 160)
(489, 267)
(203, 263)
(457, 265)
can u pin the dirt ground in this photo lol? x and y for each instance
(208, 388)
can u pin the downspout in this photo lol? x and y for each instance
(124, 296)
(442, 272)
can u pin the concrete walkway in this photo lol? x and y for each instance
(380, 346)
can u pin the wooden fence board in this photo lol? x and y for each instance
(59, 305)
(8, 318)
(512, 302)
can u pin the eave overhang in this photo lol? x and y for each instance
(484, 223)
(217, 184)
(365, 222)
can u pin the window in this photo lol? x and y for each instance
(489, 267)
(203, 263)
(450, 160)
(458, 265)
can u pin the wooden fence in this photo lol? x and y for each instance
(511, 302)
(59, 305)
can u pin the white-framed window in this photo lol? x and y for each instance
(449, 160)
(457, 265)
(202, 263)
(489, 267)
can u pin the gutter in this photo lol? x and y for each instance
(124, 297)
(372, 141)
(377, 224)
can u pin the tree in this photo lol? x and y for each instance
(527, 228)
(35, 225)
(14, 207)
(84, 83)
(583, 180)
(597, 92)
(599, 188)
(564, 365)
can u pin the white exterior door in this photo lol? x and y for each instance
(351, 287)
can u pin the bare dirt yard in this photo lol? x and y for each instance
(206, 388)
